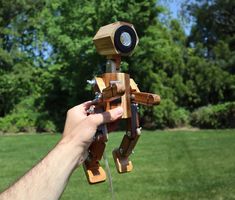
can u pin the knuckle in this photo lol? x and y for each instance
(73, 109)
(68, 112)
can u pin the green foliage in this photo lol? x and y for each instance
(217, 116)
(18, 77)
(21, 81)
(25, 117)
(214, 29)
(69, 28)
(21, 119)
(56, 95)
(207, 83)
(47, 53)
(45, 124)
(167, 114)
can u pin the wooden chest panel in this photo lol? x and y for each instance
(125, 99)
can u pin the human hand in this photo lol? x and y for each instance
(75, 115)
(80, 129)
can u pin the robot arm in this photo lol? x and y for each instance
(143, 98)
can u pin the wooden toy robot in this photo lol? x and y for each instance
(113, 89)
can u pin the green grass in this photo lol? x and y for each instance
(167, 165)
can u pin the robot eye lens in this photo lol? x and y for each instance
(125, 39)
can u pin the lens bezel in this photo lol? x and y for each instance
(117, 39)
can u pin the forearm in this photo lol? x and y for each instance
(49, 177)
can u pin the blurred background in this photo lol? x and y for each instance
(186, 54)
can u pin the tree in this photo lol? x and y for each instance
(17, 51)
(215, 29)
(69, 28)
(47, 54)
(211, 62)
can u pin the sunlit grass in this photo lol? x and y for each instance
(167, 165)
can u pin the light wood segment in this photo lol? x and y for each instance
(123, 164)
(123, 79)
(95, 175)
(146, 98)
(113, 91)
(100, 83)
(134, 86)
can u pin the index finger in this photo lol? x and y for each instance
(108, 116)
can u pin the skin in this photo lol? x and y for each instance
(48, 179)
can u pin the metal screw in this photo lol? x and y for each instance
(91, 82)
(138, 130)
(128, 133)
(121, 151)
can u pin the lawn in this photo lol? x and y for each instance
(167, 165)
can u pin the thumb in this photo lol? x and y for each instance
(108, 116)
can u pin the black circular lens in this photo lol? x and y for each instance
(125, 39)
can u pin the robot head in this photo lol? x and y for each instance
(119, 38)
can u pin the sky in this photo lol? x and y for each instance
(174, 7)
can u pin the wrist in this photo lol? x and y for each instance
(78, 153)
